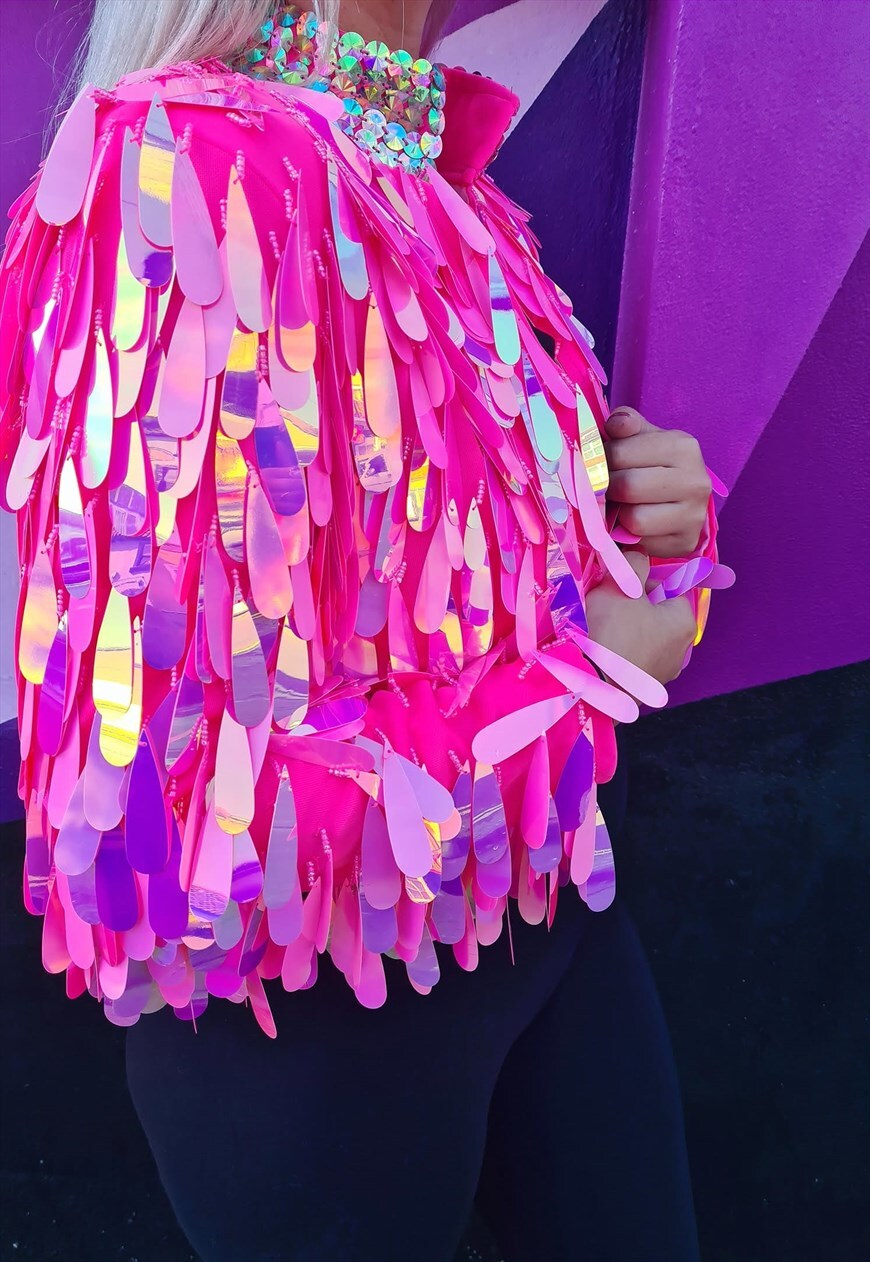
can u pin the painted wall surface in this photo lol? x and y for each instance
(749, 201)
(796, 524)
(741, 320)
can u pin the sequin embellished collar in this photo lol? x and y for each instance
(393, 103)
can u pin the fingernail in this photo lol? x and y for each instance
(617, 418)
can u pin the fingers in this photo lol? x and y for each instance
(666, 507)
(649, 486)
(648, 448)
(682, 620)
(669, 535)
(669, 547)
(624, 422)
(684, 614)
(653, 521)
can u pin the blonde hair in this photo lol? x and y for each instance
(128, 35)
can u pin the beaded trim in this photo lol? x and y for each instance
(393, 104)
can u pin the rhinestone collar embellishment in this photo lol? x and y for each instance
(393, 103)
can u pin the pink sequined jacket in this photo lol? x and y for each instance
(306, 514)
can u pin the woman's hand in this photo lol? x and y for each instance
(659, 480)
(655, 637)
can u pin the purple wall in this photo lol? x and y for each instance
(37, 39)
(750, 201)
(740, 318)
(796, 525)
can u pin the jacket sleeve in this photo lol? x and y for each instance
(548, 310)
(303, 551)
(161, 447)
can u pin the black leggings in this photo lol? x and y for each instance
(545, 1090)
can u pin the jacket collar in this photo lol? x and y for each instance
(477, 115)
(408, 111)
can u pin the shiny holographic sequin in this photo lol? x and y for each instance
(308, 518)
(393, 103)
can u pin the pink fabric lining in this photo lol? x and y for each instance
(479, 112)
